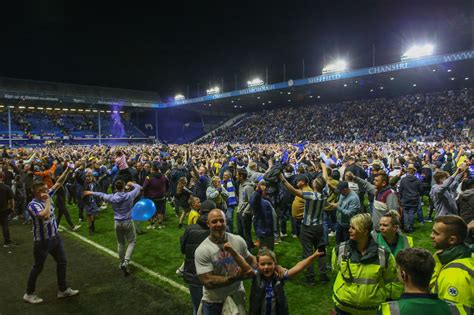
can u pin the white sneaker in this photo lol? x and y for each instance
(76, 227)
(179, 271)
(67, 293)
(60, 229)
(332, 234)
(151, 227)
(103, 207)
(32, 298)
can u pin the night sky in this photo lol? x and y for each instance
(166, 49)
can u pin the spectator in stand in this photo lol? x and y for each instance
(410, 195)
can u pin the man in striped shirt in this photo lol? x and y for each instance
(46, 239)
(312, 232)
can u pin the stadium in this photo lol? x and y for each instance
(162, 204)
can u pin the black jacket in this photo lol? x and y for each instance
(410, 190)
(466, 205)
(193, 236)
(257, 296)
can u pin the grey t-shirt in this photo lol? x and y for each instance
(210, 257)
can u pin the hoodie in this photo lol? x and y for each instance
(122, 202)
(155, 186)
(465, 204)
(410, 190)
(443, 196)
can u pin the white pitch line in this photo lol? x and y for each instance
(141, 267)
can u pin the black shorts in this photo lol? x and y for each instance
(160, 205)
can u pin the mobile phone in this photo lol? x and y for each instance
(471, 170)
(322, 249)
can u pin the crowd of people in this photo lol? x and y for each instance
(367, 195)
(426, 117)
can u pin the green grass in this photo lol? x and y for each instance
(159, 251)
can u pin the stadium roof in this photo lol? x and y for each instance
(427, 73)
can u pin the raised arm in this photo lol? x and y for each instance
(62, 179)
(244, 266)
(300, 266)
(290, 187)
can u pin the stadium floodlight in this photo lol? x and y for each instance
(418, 51)
(179, 97)
(338, 66)
(49, 108)
(213, 90)
(255, 82)
(31, 107)
(21, 107)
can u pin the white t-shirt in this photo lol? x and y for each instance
(210, 257)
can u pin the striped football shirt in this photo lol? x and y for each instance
(313, 208)
(43, 229)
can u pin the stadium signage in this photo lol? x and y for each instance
(324, 78)
(30, 98)
(388, 68)
(256, 89)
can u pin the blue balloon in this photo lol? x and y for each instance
(143, 210)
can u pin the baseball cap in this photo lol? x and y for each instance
(208, 205)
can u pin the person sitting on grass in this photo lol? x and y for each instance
(267, 294)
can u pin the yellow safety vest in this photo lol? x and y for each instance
(454, 282)
(395, 287)
(360, 288)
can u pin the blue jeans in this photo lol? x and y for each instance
(295, 226)
(329, 223)
(196, 296)
(419, 213)
(212, 308)
(409, 218)
(229, 216)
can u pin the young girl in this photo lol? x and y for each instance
(267, 289)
